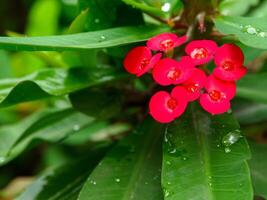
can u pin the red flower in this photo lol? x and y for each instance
(140, 60)
(165, 107)
(201, 51)
(194, 84)
(165, 42)
(229, 59)
(218, 96)
(168, 71)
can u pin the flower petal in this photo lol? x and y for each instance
(214, 107)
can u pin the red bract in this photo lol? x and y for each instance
(165, 42)
(165, 107)
(140, 60)
(229, 60)
(218, 96)
(194, 84)
(201, 51)
(168, 71)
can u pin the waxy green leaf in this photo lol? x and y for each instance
(131, 170)
(204, 157)
(81, 41)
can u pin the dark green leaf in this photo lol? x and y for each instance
(53, 82)
(80, 41)
(131, 170)
(248, 112)
(99, 103)
(253, 87)
(205, 158)
(250, 31)
(62, 183)
(258, 166)
(52, 126)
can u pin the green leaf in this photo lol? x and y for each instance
(250, 31)
(80, 41)
(51, 126)
(253, 87)
(131, 170)
(201, 160)
(100, 103)
(64, 182)
(53, 82)
(248, 112)
(39, 23)
(236, 7)
(258, 167)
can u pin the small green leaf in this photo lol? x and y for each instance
(53, 82)
(250, 31)
(258, 165)
(204, 157)
(131, 170)
(80, 41)
(253, 87)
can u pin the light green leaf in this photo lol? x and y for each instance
(53, 82)
(80, 41)
(131, 170)
(258, 167)
(250, 31)
(201, 160)
(253, 87)
(236, 7)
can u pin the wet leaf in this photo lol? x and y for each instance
(202, 158)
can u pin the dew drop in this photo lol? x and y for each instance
(231, 138)
(184, 158)
(262, 34)
(168, 163)
(76, 127)
(172, 151)
(97, 20)
(93, 182)
(166, 7)
(251, 30)
(227, 150)
(168, 183)
(117, 180)
(166, 193)
(146, 183)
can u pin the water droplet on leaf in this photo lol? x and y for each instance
(117, 180)
(227, 150)
(76, 127)
(231, 138)
(166, 7)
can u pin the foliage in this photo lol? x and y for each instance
(76, 122)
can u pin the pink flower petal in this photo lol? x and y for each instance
(158, 107)
(229, 53)
(137, 59)
(194, 84)
(168, 71)
(201, 51)
(227, 88)
(232, 75)
(214, 107)
(179, 94)
(151, 64)
(165, 42)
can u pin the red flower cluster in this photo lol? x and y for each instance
(214, 91)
